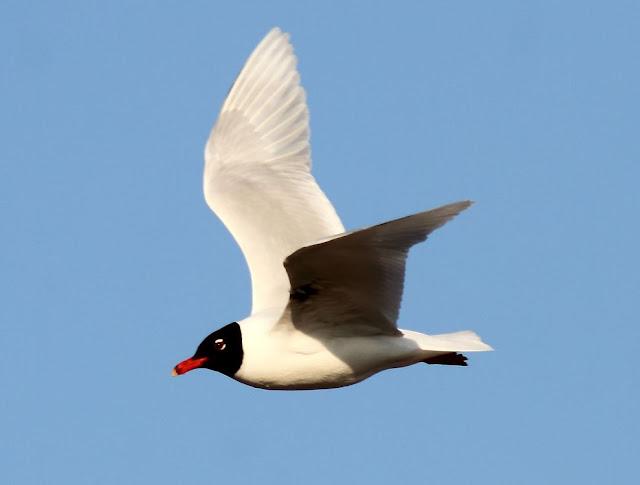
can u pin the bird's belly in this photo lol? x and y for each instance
(339, 363)
(298, 371)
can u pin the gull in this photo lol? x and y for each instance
(324, 301)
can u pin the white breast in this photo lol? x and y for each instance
(277, 357)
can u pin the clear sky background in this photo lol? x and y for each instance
(113, 269)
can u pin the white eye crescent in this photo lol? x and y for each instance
(219, 344)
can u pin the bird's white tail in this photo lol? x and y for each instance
(464, 341)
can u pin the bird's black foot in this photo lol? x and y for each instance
(447, 359)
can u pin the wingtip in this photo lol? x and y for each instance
(449, 211)
(277, 31)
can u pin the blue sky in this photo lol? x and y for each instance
(113, 268)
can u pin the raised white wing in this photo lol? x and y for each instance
(353, 283)
(257, 176)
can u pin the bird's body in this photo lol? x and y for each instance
(286, 358)
(325, 302)
(278, 356)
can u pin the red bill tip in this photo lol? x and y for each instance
(189, 364)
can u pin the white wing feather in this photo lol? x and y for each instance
(257, 176)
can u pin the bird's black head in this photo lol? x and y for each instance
(221, 351)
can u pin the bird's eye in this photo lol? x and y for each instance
(219, 344)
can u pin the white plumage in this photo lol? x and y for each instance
(325, 302)
(257, 175)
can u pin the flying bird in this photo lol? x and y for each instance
(325, 301)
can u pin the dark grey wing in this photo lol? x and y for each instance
(355, 280)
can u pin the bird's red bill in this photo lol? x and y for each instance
(189, 364)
